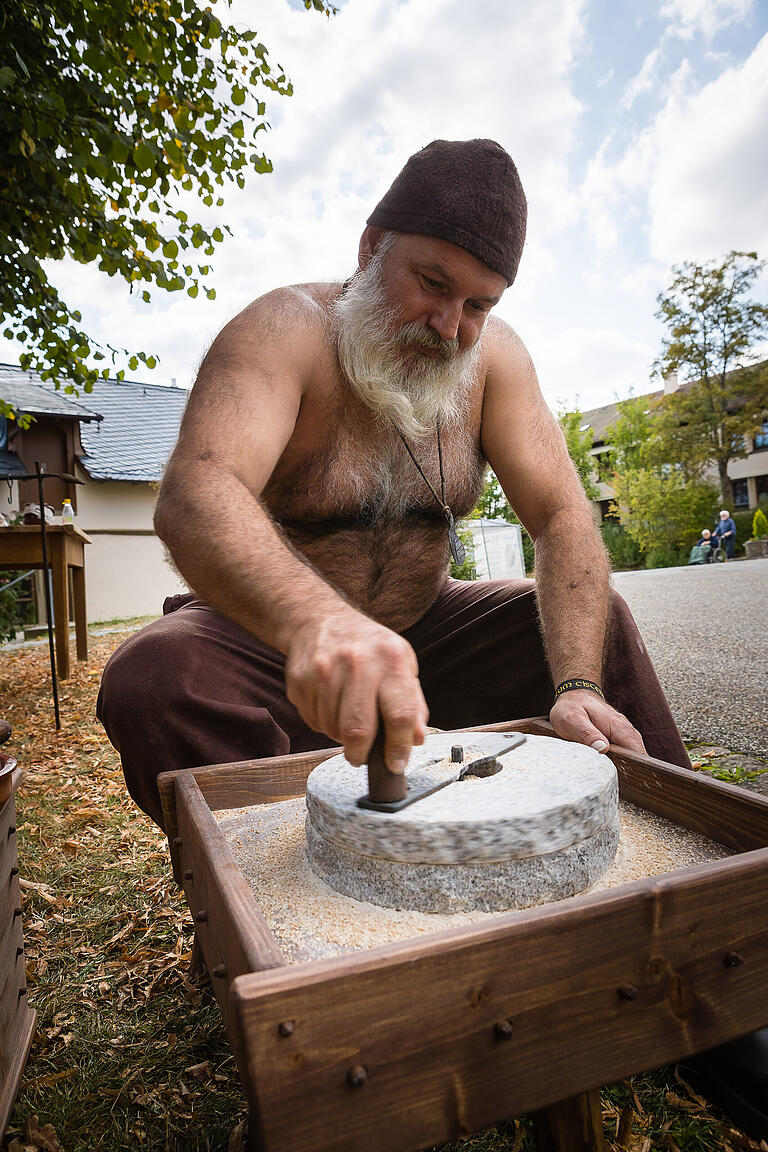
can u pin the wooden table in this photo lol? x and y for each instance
(22, 547)
(422, 1041)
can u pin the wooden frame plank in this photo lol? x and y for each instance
(17, 1019)
(230, 931)
(721, 811)
(19, 1041)
(428, 1020)
(214, 884)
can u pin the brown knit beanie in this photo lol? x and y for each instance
(465, 191)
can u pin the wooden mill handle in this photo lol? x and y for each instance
(383, 786)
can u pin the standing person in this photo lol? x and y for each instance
(725, 533)
(334, 435)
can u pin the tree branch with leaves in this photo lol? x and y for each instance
(111, 117)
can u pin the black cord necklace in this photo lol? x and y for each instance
(458, 551)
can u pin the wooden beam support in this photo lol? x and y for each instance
(574, 1125)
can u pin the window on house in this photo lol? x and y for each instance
(740, 494)
(761, 483)
(761, 437)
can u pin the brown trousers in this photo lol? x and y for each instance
(195, 688)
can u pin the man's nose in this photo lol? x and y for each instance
(445, 320)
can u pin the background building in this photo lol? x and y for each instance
(116, 439)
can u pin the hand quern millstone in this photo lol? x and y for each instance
(546, 826)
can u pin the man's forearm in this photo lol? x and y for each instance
(230, 551)
(572, 588)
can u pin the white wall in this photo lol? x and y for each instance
(127, 576)
(115, 504)
(126, 573)
(756, 464)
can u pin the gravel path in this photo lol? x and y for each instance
(705, 628)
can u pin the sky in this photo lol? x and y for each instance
(639, 131)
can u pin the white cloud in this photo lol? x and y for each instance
(705, 17)
(698, 171)
(644, 81)
(590, 366)
(708, 178)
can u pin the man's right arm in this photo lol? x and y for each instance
(342, 668)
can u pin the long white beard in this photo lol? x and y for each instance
(385, 365)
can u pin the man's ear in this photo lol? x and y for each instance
(369, 242)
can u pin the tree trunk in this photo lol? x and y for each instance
(726, 488)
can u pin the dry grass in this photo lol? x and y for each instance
(129, 1053)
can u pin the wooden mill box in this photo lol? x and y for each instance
(17, 1020)
(412, 1044)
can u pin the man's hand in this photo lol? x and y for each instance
(346, 672)
(586, 719)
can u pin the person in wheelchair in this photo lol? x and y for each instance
(701, 553)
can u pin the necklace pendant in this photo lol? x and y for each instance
(458, 551)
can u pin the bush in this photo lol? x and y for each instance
(624, 552)
(466, 570)
(743, 522)
(666, 556)
(528, 551)
(759, 525)
(12, 614)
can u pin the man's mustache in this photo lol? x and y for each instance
(415, 336)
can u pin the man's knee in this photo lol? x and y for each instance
(141, 671)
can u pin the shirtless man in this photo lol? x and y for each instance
(331, 435)
(333, 432)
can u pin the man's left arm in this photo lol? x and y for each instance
(524, 445)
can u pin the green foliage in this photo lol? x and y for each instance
(493, 505)
(12, 613)
(623, 550)
(631, 436)
(579, 444)
(712, 327)
(759, 525)
(659, 507)
(666, 556)
(743, 522)
(465, 570)
(109, 114)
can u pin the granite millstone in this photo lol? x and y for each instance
(490, 886)
(543, 828)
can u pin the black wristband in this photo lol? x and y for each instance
(578, 682)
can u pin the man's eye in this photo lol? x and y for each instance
(430, 283)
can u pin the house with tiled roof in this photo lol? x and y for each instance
(116, 440)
